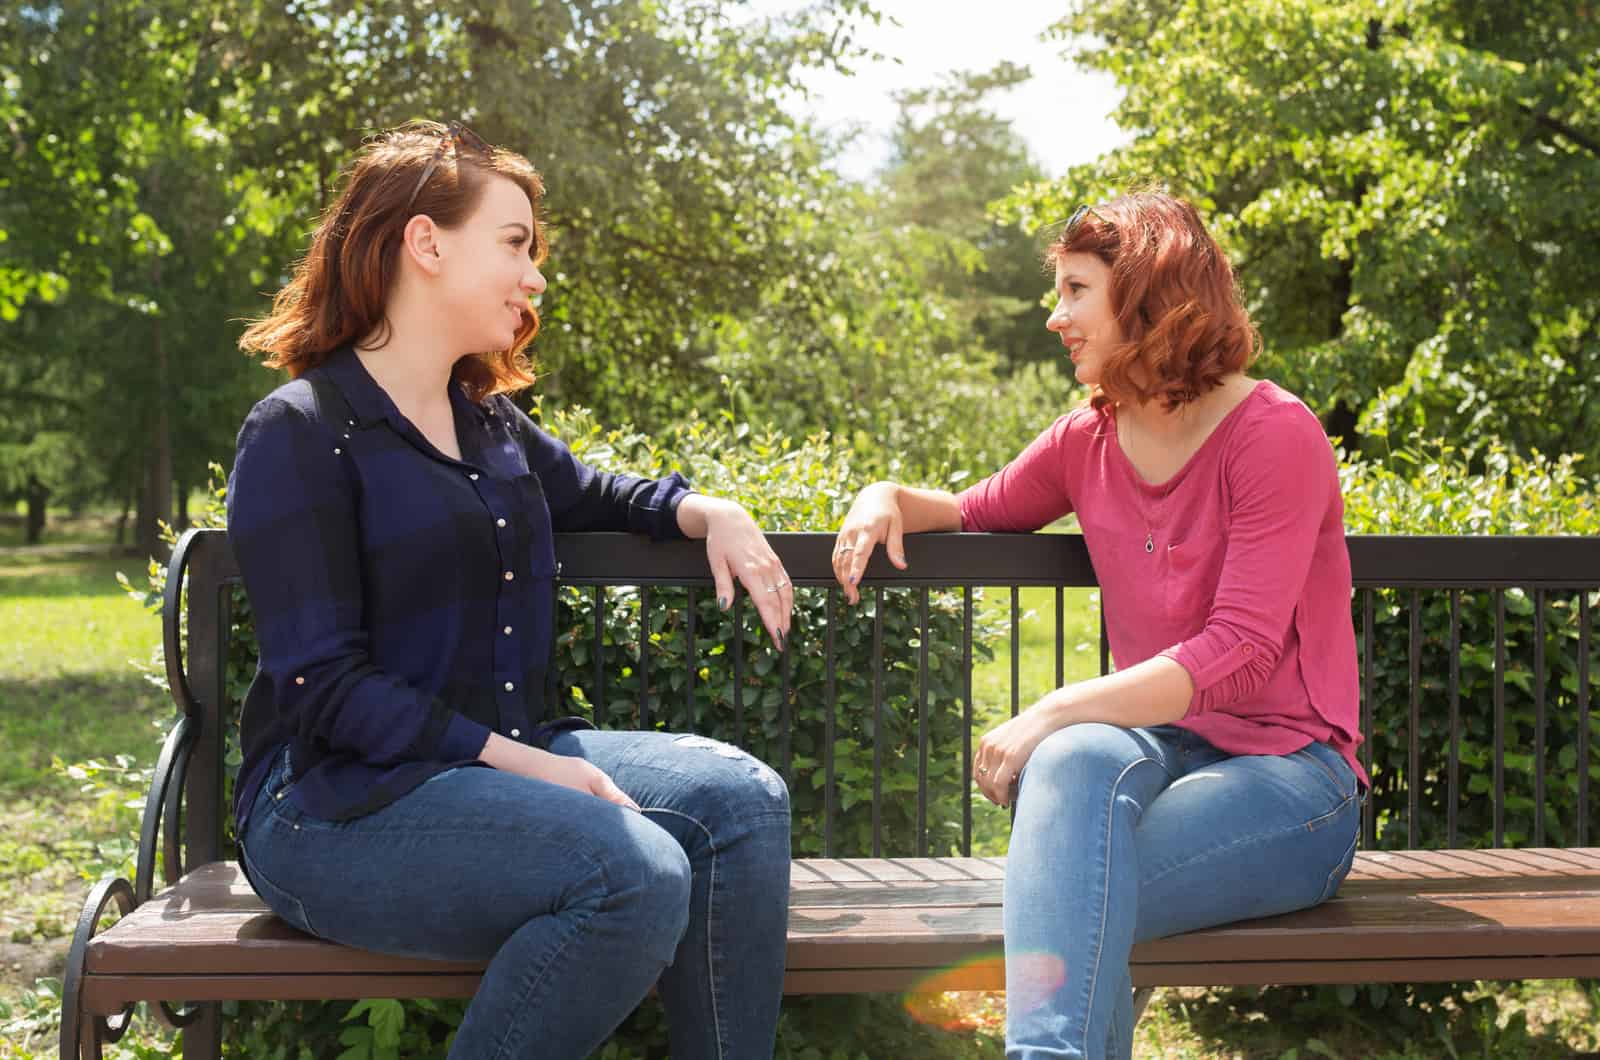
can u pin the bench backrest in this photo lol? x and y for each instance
(1423, 586)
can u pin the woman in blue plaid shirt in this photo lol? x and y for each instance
(405, 786)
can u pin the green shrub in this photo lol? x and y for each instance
(1436, 489)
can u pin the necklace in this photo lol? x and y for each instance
(1151, 517)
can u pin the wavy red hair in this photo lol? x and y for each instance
(1174, 297)
(338, 291)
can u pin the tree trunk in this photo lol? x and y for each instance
(155, 502)
(183, 506)
(122, 518)
(38, 494)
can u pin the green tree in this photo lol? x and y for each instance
(952, 155)
(1406, 188)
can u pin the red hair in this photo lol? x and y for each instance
(339, 289)
(1173, 295)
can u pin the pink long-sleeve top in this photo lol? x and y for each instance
(1247, 581)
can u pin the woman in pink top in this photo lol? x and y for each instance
(1213, 776)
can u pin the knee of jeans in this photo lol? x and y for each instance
(747, 786)
(1080, 754)
(654, 894)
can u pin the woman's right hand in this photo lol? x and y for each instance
(569, 772)
(874, 518)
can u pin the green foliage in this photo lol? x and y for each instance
(787, 486)
(1405, 189)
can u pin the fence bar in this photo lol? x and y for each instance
(922, 729)
(644, 658)
(691, 657)
(1369, 817)
(877, 723)
(1414, 723)
(1453, 784)
(1538, 717)
(738, 666)
(831, 706)
(1105, 645)
(599, 653)
(786, 707)
(1584, 631)
(1499, 718)
(1061, 636)
(1016, 650)
(966, 721)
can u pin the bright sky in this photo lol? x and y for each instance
(1063, 113)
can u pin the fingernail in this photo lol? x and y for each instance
(783, 642)
(722, 602)
(853, 579)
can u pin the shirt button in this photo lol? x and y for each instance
(299, 680)
(509, 575)
(508, 631)
(336, 452)
(500, 522)
(473, 475)
(516, 732)
(510, 687)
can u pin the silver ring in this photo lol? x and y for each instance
(983, 771)
(773, 588)
(846, 548)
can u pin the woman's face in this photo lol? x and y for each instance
(1082, 316)
(488, 269)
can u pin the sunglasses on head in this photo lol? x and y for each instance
(454, 135)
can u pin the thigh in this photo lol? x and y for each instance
(453, 867)
(1246, 836)
(676, 775)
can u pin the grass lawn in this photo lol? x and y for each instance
(69, 692)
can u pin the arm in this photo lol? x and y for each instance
(1155, 692)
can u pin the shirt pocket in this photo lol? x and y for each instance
(1194, 567)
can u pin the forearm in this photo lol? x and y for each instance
(923, 509)
(696, 511)
(1155, 692)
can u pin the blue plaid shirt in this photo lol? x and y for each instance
(403, 600)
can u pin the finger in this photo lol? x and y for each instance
(785, 597)
(722, 576)
(772, 613)
(609, 791)
(842, 552)
(865, 543)
(758, 578)
(895, 546)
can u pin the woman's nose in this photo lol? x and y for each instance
(534, 281)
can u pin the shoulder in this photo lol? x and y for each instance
(1277, 434)
(294, 409)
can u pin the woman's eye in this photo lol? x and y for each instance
(1075, 287)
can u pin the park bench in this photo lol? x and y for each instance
(865, 924)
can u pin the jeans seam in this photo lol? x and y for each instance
(711, 888)
(1105, 895)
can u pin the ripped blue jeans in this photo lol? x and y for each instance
(579, 906)
(1124, 835)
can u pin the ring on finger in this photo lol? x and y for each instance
(983, 771)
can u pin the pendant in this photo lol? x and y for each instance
(1149, 542)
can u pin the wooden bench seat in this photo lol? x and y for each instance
(933, 924)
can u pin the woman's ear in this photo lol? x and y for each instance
(421, 243)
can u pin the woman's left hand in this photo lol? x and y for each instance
(737, 549)
(1004, 750)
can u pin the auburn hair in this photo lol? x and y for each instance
(1174, 297)
(338, 291)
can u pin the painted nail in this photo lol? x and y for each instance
(722, 602)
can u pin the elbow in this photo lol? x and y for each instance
(1246, 680)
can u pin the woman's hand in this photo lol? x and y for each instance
(737, 549)
(1005, 749)
(569, 772)
(874, 518)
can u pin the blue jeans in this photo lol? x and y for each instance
(1124, 835)
(578, 906)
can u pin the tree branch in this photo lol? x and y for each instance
(1561, 128)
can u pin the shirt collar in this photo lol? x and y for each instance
(370, 403)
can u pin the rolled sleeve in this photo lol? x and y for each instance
(1279, 488)
(293, 526)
